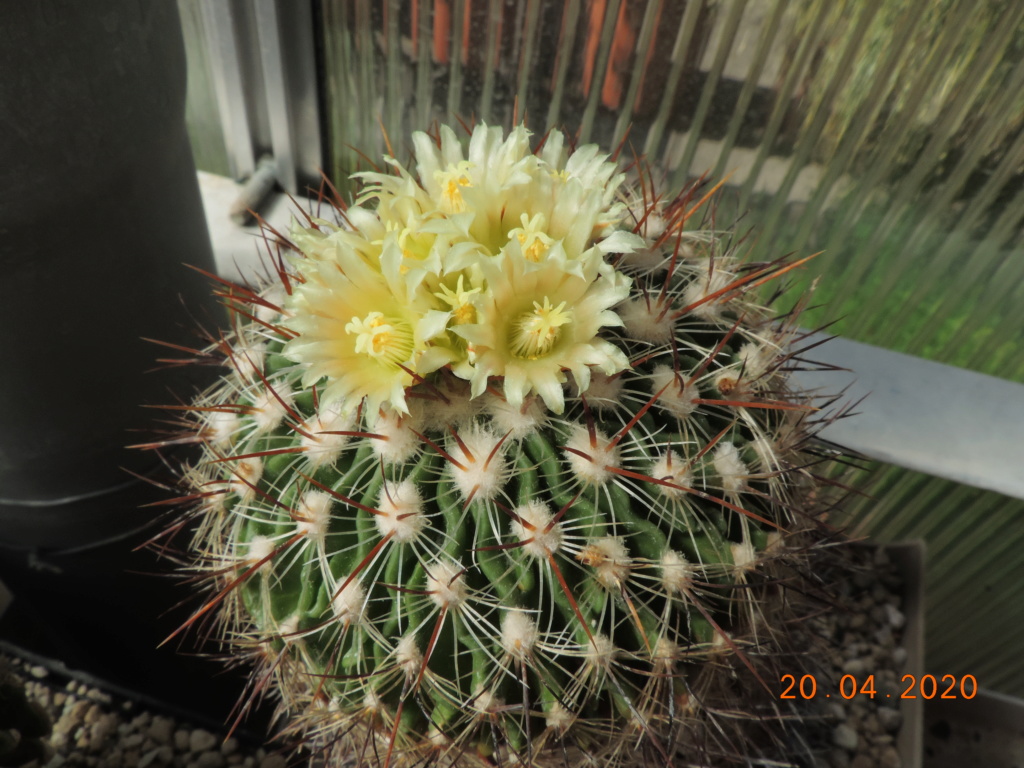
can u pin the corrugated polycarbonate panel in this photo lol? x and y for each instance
(888, 134)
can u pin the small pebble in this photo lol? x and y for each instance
(161, 730)
(201, 741)
(890, 718)
(210, 760)
(92, 714)
(103, 729)
(843, 736)
(855, 667)
(273, 761)
(895, 616)
(132, 741)
(38, 672)
(150, 758)
(839, 758)
(889, 758)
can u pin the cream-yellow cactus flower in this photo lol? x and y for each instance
(499, 181)
(492, 261)
(366, 332)
(534, 323)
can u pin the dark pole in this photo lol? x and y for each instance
(99, 211)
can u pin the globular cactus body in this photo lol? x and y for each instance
(505, 468)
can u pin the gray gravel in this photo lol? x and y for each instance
(864, 638)
(92, 729)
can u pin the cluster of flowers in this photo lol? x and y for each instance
(493, 263)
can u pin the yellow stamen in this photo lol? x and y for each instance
(535, 250)
(452, 182)
(382, 338)
(460, 300)
(535, 333)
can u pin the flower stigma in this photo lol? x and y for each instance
(535, 333)
(451, 183)
(460, 300)
(381, 338)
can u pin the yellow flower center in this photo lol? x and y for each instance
(464, 314)
(535, 250)
(415, 245)
(535, 333)
(460, 300)
(384, 339)
(451, 182)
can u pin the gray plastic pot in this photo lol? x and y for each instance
(99, 212)
(99, 209)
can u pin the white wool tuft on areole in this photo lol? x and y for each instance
(518, 633)
(533, 524)
(372, 703)
(604, 392)
(517, 421)
(446, 585)
(676, 573)
(486, 702)
(401, 511)
(259, 551)
(646, 319)
(288, 630)
(248, 358)
(482, 468)
(221, 428)
(671, 468)
(711, 278)
(665, 654)
(269, 408)
(609, 559)
(313, 516)
(350, 604)
(245, 479)
(730, 468)
(757, 359)
(677, 396)
(599, 651)
(397, 442)
(591, 463)
(319, 446)
(408, 656)
(744, 556)
(558, 718)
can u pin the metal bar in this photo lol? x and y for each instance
(925, 416)
(228, 86)
(289, 80)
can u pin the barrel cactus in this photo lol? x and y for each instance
(504, 469)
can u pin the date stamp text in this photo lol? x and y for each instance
(925, 687)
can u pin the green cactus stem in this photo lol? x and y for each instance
(504, 469)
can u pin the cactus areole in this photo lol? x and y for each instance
(504, 469)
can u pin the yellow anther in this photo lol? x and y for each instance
(535, 333)
(380, 338)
